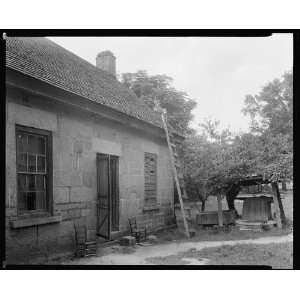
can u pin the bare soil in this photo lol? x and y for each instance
(228, 246)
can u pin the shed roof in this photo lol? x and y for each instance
(44, 60)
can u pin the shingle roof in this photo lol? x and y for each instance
(46, 61)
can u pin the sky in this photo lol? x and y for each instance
(217, 72)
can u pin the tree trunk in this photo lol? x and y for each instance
(202, 199)
(203, 205)
(230, 196)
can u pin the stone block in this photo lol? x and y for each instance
(21, 237)
(74, 213)
(127, 241)
(65, 215)
(61, 195)
(85, 212)
(72, 205)
(67, 178)
(75, 179)
(78, 146)
(89, 179)
(82, 194)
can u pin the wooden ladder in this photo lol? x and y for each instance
(176, 166)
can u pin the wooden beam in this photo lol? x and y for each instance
(276, 205)
(220, 212)
(282, 214)
(187, 232)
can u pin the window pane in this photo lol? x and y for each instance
(22, 162)
(21, 142)
(31, 163)
(41, 164)
(36, 144)
(39, 179)
(41, 145)
(22, 182)
(41, 200)
(31, 201)
(22, 200)
(31, 182)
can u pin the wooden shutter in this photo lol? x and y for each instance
(150, 167)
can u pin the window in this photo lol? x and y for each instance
(32, 147)
(150, 169)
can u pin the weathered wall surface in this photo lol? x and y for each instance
(77, 137)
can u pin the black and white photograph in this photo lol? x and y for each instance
(149, 150)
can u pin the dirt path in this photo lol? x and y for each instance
(142, 253)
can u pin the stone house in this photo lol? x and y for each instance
(79, 145)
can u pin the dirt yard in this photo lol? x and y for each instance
(275, 251)
(278, 256)
(214, 247)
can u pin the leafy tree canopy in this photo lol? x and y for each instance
(271, 113)
(215, 159)
(148, 88)
(272, 109)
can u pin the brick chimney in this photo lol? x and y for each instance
(106, 61)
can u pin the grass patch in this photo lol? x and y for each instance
(276, 255)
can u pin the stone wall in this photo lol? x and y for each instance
(77, 138)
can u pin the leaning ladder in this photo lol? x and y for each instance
(176, 169)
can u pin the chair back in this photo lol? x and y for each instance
(132, 224)
(80, 232)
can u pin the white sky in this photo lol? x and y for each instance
(215, 71)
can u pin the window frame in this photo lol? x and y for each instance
(146, 200)
(49, 171)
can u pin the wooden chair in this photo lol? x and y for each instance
(84, 247)
(137, 231)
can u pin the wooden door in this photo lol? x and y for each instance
(114, 188)
(108, 194)
(103, 203)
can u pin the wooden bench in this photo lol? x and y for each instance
(137, 229)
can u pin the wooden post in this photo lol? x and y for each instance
(276, 205)
(220, 212)
(282, 214)
(175, 175)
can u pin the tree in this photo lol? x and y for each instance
(214, 161)
(148, 88)
(272, 108)
(271, 113)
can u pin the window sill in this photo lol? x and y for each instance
(20, 223)
(150, 208)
